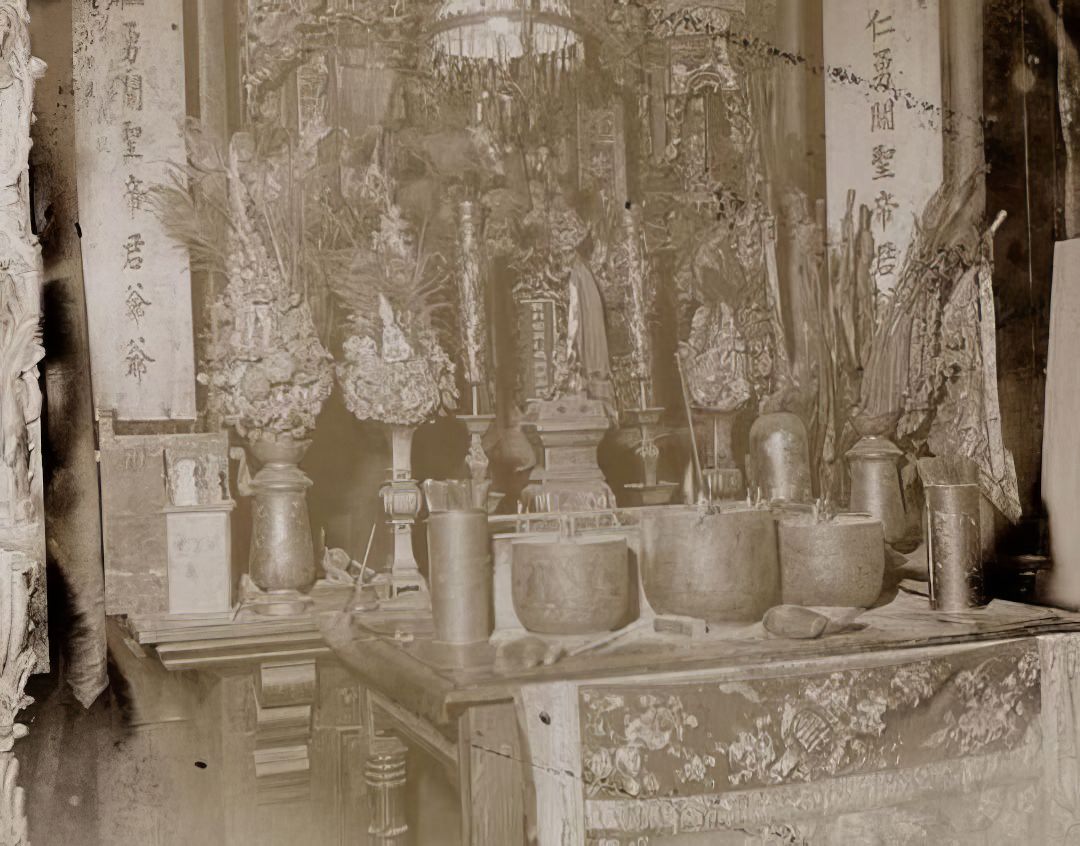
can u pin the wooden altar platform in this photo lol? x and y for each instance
(727, 738)
(398, 653)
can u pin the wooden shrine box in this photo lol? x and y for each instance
(200, 560)
(197, 530)
(136, 501)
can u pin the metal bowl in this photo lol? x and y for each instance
(718, 564)
(571, 585)
(840, 562)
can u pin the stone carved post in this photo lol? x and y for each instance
(21, 525)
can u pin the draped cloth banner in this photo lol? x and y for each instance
(129, 107)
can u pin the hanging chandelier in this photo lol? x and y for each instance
(491, 41)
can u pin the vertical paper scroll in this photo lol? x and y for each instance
(883, 118)
(130, 106)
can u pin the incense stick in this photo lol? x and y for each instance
(367, 552)
(690, 419)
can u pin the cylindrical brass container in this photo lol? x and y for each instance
(954, 547)
(282, 557)
(575, 585)
(719, 565)
(460, 576)
(839, 562)
(780, 458)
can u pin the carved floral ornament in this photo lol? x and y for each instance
(20, 402)
(20, 333)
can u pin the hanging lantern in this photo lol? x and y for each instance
(484, 43)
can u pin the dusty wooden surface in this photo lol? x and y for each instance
(433, 683)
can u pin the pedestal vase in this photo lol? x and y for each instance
(282, 557)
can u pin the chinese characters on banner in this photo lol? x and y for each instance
(883, 118)
(130, 105)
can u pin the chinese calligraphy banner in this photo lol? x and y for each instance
(130, 104)
(883, 118)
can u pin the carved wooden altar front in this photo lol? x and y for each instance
(913, 729)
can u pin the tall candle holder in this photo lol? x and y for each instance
(649, 491)
(476, 458)
(401, 503)
(722, 476)
(474, 332)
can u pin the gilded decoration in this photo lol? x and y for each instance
(704, 739)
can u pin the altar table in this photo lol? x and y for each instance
(917, 727)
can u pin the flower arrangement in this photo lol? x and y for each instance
(395, 369)
(268, 372)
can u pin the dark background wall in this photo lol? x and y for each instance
(1024, 150)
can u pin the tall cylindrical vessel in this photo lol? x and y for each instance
(780, 458)
(875, 484)
(460, 576)
(718, 564)
(282, 557)
(837, 562)
(954, 547)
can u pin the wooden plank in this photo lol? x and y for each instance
(327, 785)
(233, 701)
(888, 151)
(389, 668)
(1060, 585)
(616, 665)
(129, 90)
(213, 627)
(234, 652)
(548, 717)
(492, 777)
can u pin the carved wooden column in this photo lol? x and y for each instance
(22, 540)
(384, 773)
